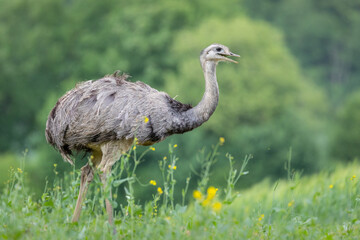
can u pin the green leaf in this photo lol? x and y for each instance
(117, 183)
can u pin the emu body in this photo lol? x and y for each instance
(104, 116)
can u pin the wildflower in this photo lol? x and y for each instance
(92, 157)
(136, 140)
(221, 140)
(217, 206)
(261, 217)
(55, 165)
(211, 192)
(153, 182)
(134, 147)
(353, 177)
(154, 213)
(152, 148)
(331, 186)
(206, 202)
(160, 191)
(175, 145)
(19, 170)
(164, 158)
(146, 119)
(291, 203)
(197, 195)
(173, 167)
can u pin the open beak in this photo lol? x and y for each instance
(230, 54)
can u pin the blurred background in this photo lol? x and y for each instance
(296, 87)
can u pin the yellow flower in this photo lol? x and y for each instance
(92, 157)
(211, 192)
(261, 217)
(353, 177)
(152, 148)
(146, 119)
(331, 186)
(221, 140)
(175, 145)
(205, 202)
(197, 195)
(217, 206)
(55, 165)
(153, 182)
(173, 167)
(160, 191)
(19, 170)
(134, 147)
(291, 203)
(164, 158)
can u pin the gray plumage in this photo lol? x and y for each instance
(110, 109)
(104, 116)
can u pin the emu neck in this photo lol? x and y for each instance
(205, 108)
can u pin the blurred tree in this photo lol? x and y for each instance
(323, 35)
(31, 60)
(346, 144)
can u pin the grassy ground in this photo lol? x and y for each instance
(322, 206)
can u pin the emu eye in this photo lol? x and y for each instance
(218, 49)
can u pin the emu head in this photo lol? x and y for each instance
(217, 53)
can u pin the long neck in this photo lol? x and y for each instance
(205, 108)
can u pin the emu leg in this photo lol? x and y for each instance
(111, 152)
(87, 176)
(109, 208)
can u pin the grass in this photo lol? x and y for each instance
(322, 206)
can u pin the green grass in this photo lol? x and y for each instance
(322, 206)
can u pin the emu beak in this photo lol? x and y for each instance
(230, 54)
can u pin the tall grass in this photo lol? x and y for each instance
(323, 206)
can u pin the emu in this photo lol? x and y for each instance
(104, 116)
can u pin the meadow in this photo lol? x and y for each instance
(321, 206)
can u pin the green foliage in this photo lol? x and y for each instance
(8, 161)
(347, 134)
(30, 56)
(321, 206)
(270, 144)
(323, 35)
